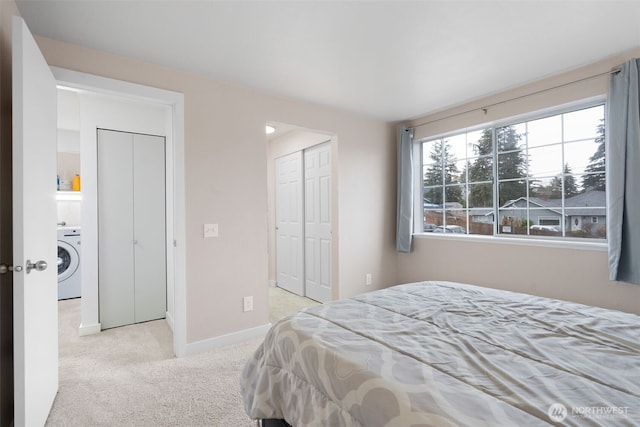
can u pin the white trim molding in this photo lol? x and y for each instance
(89, 329)
(228, 339)
(169, 319)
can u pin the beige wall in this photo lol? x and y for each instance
(572, 274)
(569, 274)
(226, 183)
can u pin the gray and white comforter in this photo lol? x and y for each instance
(447, 354)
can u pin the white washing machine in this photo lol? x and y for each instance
(68, 262)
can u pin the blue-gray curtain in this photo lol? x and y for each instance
(623, 174)
(404, 225)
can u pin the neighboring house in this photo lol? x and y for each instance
(583, 214)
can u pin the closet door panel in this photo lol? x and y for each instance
(149, 227)
(318, 222)
(290, 223)
(115, 229)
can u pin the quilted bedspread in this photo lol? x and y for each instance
(448, 354)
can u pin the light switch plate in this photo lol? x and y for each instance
(211, 230)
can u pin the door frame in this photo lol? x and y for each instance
(175, 185)
(305, 143)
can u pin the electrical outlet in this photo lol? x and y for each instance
(210, 230)
(368, 279)
(247, 304)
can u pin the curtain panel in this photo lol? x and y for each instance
(404, 224)
(623, 174)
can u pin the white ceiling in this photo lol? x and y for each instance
(391, 60)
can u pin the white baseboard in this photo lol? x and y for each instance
(169, 319)
(233, 338)
(273, 283)
(89, 329)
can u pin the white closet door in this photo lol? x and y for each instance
(115, 229)
(317, 176)
(289, 223)
(131, 226)
(149, 227)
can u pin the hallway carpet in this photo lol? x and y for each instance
(128, 376)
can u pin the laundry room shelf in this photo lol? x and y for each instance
(68, 195)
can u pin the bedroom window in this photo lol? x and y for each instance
(543, 176)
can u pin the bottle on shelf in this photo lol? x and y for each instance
(75, 184)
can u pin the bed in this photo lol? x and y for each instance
(447, 354)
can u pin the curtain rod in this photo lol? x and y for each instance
(486, 107)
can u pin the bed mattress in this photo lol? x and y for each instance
(448, 354)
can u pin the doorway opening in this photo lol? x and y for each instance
(302, 204)
(107, 103)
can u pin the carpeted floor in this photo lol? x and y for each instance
(128, 376)
(283, 303)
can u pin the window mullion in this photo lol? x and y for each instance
(528, 176)
(443, 177)
(563, 225)
(495, 181)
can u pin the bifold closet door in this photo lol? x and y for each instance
(131, 228)
(115, 229)
(149, 227)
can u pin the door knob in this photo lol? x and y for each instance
(4, 268)
(37, 266)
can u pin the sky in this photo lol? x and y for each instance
(543, 137)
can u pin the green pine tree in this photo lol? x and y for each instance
(570, 186)
(596, 164)
(555, 188)
(511, 164)
(482, 170)
(443, 170)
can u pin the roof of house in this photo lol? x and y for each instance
(589, 203)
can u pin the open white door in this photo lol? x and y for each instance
(35, 286)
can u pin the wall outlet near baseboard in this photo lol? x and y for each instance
(368, 279)
(247, 304)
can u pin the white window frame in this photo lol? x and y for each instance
(563, 241)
